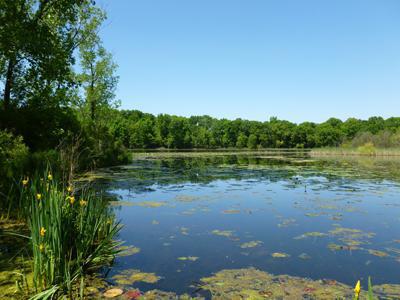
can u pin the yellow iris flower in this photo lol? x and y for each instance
(38, 196)
(357, 289)
(42, 231)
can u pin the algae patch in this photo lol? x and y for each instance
(189, 258)
(250, 244)
(225, 233)
(251, 283)
(130, 276)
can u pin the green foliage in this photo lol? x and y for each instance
(141, 130)
(13, 156)
(367, 149)
(71, 235)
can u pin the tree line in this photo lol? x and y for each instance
(136, 129)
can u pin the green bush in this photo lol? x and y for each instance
(367, 149)
(13, 155)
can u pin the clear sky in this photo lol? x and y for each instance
(297, 60)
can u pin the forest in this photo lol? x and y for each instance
(135, 129)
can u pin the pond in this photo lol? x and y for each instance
(187, 216)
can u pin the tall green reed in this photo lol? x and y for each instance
(71, 235)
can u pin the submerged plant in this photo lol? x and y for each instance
(68, 241)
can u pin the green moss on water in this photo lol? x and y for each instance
(250, 244)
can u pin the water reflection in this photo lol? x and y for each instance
(194, 215)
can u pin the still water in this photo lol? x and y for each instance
(193, 215)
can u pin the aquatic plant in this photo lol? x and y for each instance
(69, 238)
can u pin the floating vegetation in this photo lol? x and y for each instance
(310, 234)
(313, 214)
(190, 258)
(280, 255)
(187, 198)
(226, 233)
(121, 203)
(352, 238)
(254, 284)
(231, 211)
(377, 253)
(250, 244)
(304, 256)
(184, 230)
(152, 204)
(335, 247)
(112, 293)
(130, 276)
(128, 250)
(287, 222)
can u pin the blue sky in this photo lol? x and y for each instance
(297, 60)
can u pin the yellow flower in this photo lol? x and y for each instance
(39, 196)
(50, 177)
(41, 247)
(82, 202)
(71, 199)
(70, 189)
(25, 181)
(42, 231)
(357, 289)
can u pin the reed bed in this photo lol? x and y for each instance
(71, 235)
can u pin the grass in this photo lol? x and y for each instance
(70, 235)
(365, 150)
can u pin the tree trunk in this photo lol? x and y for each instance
(9, 84)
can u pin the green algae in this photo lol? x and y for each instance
(130, 276)
(251, 244)
(310, 234)
(225, 233)
(152, 204)
(304, 256)
(287, 222)
(184, 230)
(231, 211)
(128, 250)
(280, 255)
(189, 258)
(251, 283)
(377, 253)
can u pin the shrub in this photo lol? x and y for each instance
(13, 155)
(367, 149)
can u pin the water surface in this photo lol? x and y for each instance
(194, 215)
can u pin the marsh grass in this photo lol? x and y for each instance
(365, 150)
(71, 236)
